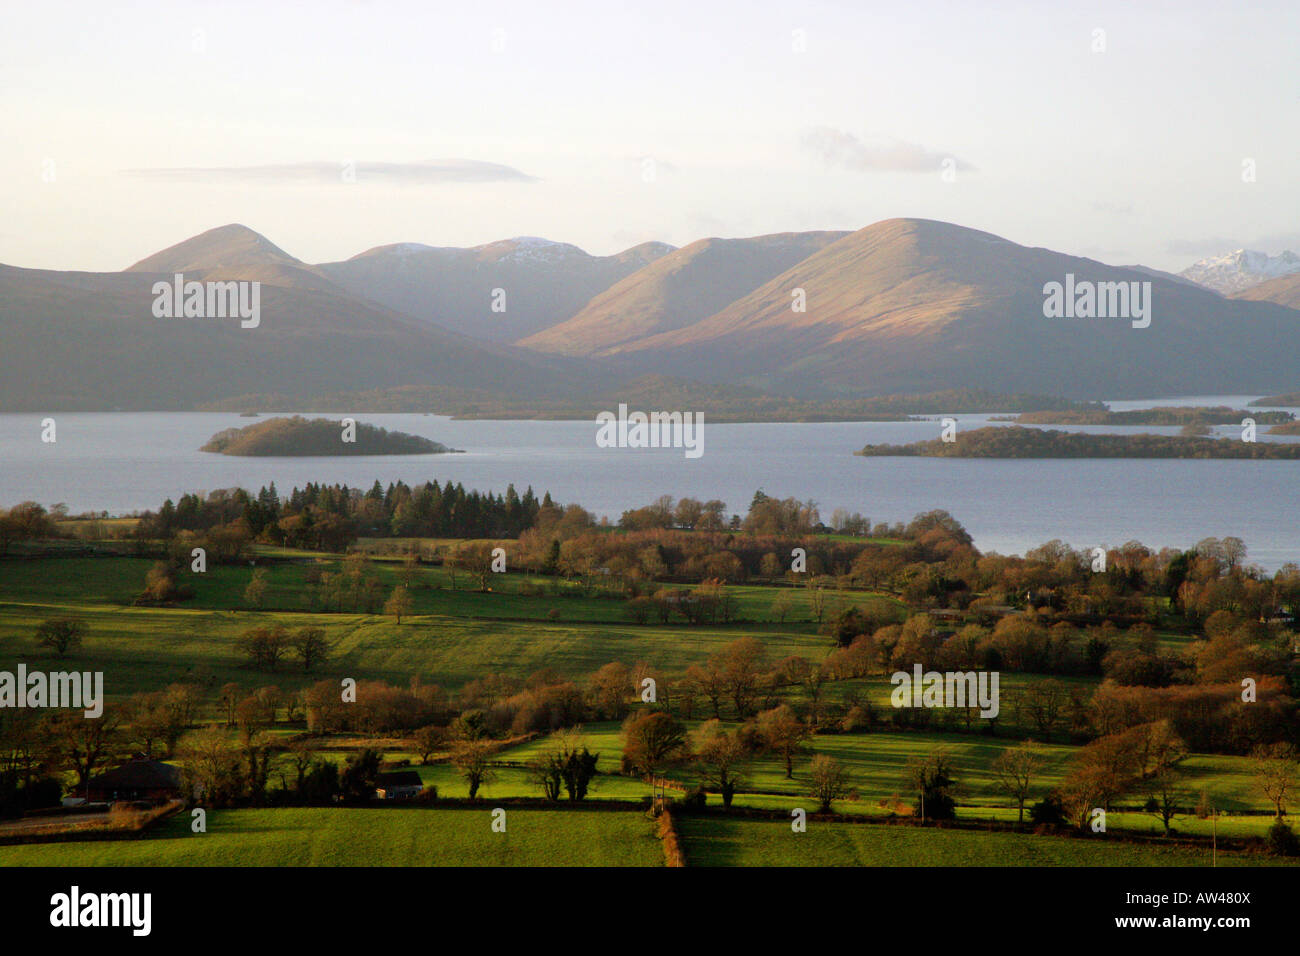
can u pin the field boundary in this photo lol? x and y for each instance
(666, 830)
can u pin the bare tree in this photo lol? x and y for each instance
(829, 781)
(784, 734)
(1275, 774)
(1014, 771)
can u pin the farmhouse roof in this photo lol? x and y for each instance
(139, 774)
(398, 778)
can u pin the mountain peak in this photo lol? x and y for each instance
(1240, 269)
(232, 246)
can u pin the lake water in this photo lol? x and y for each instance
(122, 462)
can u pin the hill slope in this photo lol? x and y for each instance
(1284, 290)
(544, 282)
(234, 252)
(910, 305)
(678, 289)
(83, 340)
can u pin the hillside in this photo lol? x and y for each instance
(544, 282)
(1284, 290)
(902, 307)
(677, 290)
(917, 305)
(302, 437)
(83, 340)
(234, 252)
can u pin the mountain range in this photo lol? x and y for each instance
(900, 306)
(1238, 271)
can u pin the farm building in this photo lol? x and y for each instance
(140, 779)
(399, 785)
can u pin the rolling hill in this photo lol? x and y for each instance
(677, 290)
(234, 252)
(1284, 290)
(903, 306)
(83, 340)
(911, 305)
(544, 282)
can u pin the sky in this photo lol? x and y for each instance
(1153, 133)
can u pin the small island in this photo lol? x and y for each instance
(317, 437)
(1286, 400)
(1287, 428)
(1160, 415)
(1016, 442)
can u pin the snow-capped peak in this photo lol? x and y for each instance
(1240, 270)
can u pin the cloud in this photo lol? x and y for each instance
(838, 148)
(427, 173)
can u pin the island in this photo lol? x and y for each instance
(718, 403)
(318, 437)
(1286, 400)
(1016, 442)
(1171, 415)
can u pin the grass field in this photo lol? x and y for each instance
(454, 636)
(360, 837)
(717, 841)
(457, 635)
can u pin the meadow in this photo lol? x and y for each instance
(413, 836)
(719, 841)
(523, 625)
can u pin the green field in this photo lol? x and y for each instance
(455, 635)
(717, 841)
(361, 837)
(522, 626)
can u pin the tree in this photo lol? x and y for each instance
(427, 740)
(547, 771)
(1044, 701)
(1275, 774)
(741, 666)
(360, 775)
(651, 739)
(816, 600)
(1014, 771)
(301, 757)
(311, 646)
(610, 687)
(577, 764)
(470, 757)
(399, 603)
(61, 634)
(783, 733)
(1166, 796)
(256, 590)
(231, 694)
(210, 768)
(265, 646)
(710, 682)
(828, 781)
(84, 744)
(474, 559)
(721, 753)
(931, 778)
(781, 604)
